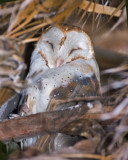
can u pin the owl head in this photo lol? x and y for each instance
(59, 45)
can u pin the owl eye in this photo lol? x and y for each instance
(74, 49)
(51, 44)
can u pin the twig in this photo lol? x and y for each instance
(82, 155)
(101, 9)
(76, 99)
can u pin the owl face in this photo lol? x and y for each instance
(59, 46)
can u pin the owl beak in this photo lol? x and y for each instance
(59, 61)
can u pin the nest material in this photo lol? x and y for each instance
(21, 23)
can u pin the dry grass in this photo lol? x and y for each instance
(21, 24)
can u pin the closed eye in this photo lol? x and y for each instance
(51, 44)
(74, 49)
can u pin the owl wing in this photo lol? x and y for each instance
(84, 83)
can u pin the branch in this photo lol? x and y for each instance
(62, 121)
(41, 123)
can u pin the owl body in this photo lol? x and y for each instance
(62, 66)
(43, 87)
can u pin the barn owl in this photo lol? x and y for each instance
(63, 66)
